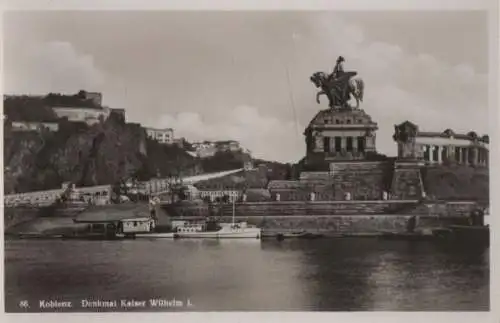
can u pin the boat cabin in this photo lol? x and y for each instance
(137, 225)
(128, 226)
(190, 227)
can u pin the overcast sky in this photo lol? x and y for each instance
(223, 75)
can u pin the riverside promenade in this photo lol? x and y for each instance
(102, 193)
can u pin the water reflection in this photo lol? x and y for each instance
(330, 274)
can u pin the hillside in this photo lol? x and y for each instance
(276, 170)
(224, 160)
(104, 153)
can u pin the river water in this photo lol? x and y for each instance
(353, 274)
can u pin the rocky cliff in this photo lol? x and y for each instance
(104, 153)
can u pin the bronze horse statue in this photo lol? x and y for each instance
(339, 90)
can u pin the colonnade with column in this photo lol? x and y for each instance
(463, 155)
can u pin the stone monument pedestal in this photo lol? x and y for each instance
(340, 135)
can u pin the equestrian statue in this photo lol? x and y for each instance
(339, 86)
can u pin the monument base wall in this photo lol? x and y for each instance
(348, 224)
(407, 180)
(325, 208)
(362, 180)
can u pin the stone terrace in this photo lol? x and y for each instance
(363, 180)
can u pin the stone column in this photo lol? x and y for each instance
(313, 196)
(450, 153)
(278, 197)
(332, 144)
(318, 143)
(431, 153)
(328, 144)
(354, 144)
(440, 153)
(465, 156)
(343, 143)
(475, 158)
(370, 143)
(426, 150)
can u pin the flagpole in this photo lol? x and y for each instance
(289, 83)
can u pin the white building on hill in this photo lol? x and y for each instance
(163, 136)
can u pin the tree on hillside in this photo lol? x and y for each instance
(25, 108)
(223, 160)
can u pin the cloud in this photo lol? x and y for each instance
(400, 85)
(54, 67)
(241, 91)
(408, 86)
(266, 137)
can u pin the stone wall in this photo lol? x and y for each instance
(37, 198)
(316, 208)
(456, 182)
(294, 208)
(407, 181)
(445, 209)
(187, 210)
(325, 208)
(348, 225)
(316, 178)
(363, 180)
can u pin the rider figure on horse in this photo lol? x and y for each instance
(338, 70)
(339, 86)
(339, 82)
